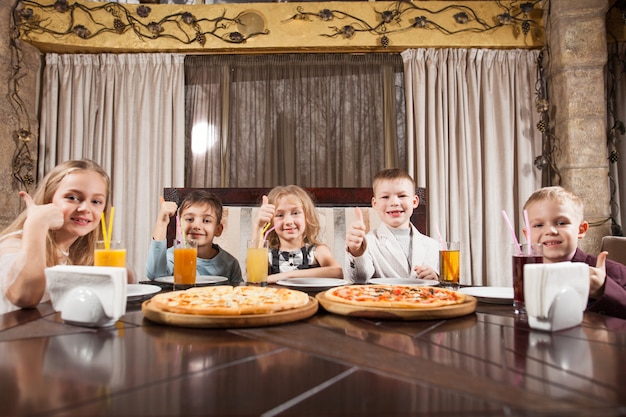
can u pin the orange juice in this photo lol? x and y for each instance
(257, 265)
(110, 257)
(449, 267)
(185, 265)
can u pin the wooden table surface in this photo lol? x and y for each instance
(488, 363)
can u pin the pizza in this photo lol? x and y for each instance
(395, 296)
(226, 300)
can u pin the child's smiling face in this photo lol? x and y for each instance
(557, 226)
(200, 224)
(290, 221)
(82, 197)
(394, 201)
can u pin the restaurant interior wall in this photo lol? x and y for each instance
(308, 35)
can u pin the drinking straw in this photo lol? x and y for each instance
(110, 232)
(441, 242)
(527, 224)
(104, 229)
(264, 233)
(107, 232)
(179, 235)
(444, 248)
(508, 223)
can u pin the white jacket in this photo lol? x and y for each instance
(384, 257)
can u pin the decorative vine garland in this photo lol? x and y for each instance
(89, 20)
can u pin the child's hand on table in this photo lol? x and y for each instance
(425, 272)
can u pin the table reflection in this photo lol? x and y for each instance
(97, 358)
(486, 363)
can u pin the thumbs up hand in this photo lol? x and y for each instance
(355, 235)
(597, 276)
(167, 209)
(266, 213)
(48, 215)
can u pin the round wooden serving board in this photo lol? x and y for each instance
(458, 310)
(151, 312)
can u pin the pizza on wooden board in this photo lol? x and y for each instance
(395, 296)
(226, 300)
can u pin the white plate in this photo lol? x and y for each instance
(138, 291)
(313, 282)
(200, 279)
(493, 295)
(405, 281)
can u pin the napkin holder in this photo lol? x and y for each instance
(90, 296)
(555, 295)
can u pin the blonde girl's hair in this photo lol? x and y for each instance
(81, 251)
(560, 195)
(312, 228)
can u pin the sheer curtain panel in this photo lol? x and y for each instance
(307, 119)
(126, 112)
(472, 141)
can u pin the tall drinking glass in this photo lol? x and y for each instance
(185, 256)
(523, 254)
(450, 265)
(114, 255)
(257, 263)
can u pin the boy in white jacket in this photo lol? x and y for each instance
(396, 248)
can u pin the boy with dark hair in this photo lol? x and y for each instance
(200, 218)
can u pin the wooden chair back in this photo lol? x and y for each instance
(322, 197)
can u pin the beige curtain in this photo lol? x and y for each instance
(308, 119)
(127, 113)
(472, 141)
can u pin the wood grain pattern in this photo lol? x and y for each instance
(153, 313)
(468, 307)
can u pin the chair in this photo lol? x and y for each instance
(616, 247)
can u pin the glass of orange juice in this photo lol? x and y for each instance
(185, 256)
(115, 255)
(257, 263)
(450, 265)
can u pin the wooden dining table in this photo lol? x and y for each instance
(486, 363)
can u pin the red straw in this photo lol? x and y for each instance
(508, 223)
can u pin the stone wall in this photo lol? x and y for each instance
(11, 121)
(578, 53)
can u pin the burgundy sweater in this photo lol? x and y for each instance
(613, 301)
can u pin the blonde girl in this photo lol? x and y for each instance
(295, 248)
(60, 225)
